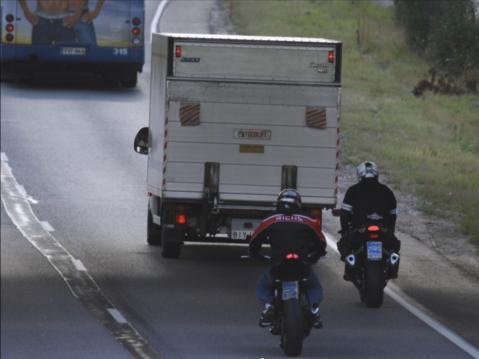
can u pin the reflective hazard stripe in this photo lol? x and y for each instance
(316, 117)
(190, 114)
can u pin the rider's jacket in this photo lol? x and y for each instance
(367, 201)
(289, 233)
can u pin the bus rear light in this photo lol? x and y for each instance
(136, 31)
(9, 27)
(331, 56)
(178, 51)
(9, 37)
(136, 21)
(180, 219)
(9, 18)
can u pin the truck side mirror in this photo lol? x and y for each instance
(141, 144)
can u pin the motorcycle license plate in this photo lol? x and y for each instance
(375, 250)
(290, 290)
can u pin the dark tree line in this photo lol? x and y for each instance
(446, 33)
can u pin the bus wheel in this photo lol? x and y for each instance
(130, 79)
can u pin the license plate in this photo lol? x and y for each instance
(241, 228)
(240, 235)
(375, 250)
(73, 51)
(290, 290)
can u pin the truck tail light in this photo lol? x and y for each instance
(180, 219)
(331, 56)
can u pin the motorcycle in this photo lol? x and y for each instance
(371, 264)
(293, 320)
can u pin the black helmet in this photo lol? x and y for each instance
(288, 199)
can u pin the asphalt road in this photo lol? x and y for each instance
(69, 143)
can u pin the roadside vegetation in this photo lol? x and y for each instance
(427, 145)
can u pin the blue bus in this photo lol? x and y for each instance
(100, 36)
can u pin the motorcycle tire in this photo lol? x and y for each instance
(293, 328)
(374, 286)
(153, 231)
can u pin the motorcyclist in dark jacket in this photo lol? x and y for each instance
(289, 230)
(368, 200)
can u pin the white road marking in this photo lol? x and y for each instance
(76, 277)
(79, 265)
(156, 18)
(47, 226)
(408, 303)
(115, 313)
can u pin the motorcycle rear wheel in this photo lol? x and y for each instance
(293, 328)
(374, 285)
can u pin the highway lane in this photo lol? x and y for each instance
(71, 147)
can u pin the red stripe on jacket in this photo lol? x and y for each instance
(314, 224)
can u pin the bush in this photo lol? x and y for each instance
(445, 32)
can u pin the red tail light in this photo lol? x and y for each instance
(136, 31)
(292, 256)
(373, 228)
(136, 21)
(9, 18)
(9, 27)
(178, 51)
(181, 219)
(374, 236)
(331, 56)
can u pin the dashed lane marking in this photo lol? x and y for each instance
(79, 281)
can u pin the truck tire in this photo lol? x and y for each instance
(293, 328)
(374, 285)
(153, 231)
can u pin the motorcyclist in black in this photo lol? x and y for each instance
(289, 230)
(368, 200)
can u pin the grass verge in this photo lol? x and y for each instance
(428, 146)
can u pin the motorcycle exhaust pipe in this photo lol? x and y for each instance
(351, 260)
(394, 259)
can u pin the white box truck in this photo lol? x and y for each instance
(233, 120)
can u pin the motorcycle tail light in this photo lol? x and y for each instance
(292, 256)
(373, 228)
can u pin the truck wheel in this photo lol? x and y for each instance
(374, 285)
(293, 328)
(153, 231)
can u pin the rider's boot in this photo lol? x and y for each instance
(316, 318)
(267, 315)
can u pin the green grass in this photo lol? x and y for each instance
(428, 146)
